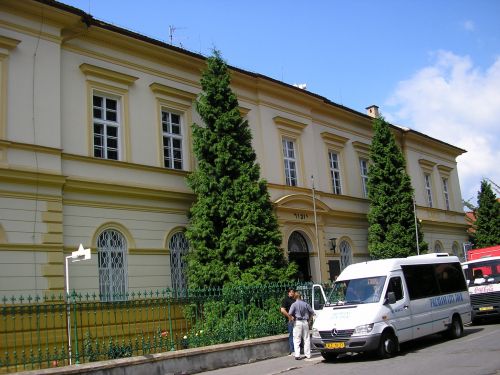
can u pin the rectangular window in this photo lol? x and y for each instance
(446, 194)
(363, 164)
(290, 162)
(106, 127)
(428, 189)
(172, 140)
(335, 172)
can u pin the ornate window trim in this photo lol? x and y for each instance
(6, 45)
(106, 82)
(291, 130)
(180, 102)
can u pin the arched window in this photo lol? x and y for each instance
(457, 251)
(112, 262)
(438, 248)
(178, 246)
(345, 254)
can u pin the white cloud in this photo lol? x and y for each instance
(458, 103)
(469, 25)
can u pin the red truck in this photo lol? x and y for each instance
(482, 271)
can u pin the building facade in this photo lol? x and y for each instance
(95, 147)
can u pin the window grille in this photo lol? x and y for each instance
(297, 243)
(438, 248)
(345, 254)
(178, 246)
(112, 262)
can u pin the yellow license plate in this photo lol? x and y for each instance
(335, 345)
(486, 308)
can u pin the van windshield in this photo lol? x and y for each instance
(355, 291)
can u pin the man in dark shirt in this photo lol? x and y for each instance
(285, 307)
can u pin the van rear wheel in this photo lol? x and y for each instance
(456, 328)
(388, 345)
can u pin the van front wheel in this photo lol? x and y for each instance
(388, 345)
(329, 356)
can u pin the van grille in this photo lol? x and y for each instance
(485, 298)
(340, 334)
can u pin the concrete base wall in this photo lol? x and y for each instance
(189, 361)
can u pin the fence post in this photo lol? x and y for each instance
(242, 294)
(77, 355)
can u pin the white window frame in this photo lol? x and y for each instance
(289, 161)
(106, 125)
(428, 189)
(363, 167)
(446, 193)
(113, 281)
(168, 135)
(334, 161)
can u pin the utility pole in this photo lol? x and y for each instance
(416, 224)
(316, 228)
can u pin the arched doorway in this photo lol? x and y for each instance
(298, 252)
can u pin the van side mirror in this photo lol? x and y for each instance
(391, 298)
(318, 305)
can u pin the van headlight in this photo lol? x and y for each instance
(363, 330)
(315, 333)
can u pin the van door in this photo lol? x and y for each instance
(422, 285)
(318, 298)
(399, 315)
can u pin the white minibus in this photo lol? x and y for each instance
(376, 305)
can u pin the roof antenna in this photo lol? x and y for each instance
(171, 30)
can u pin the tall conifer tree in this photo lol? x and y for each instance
(233, 233)
(391, 219)
(487, 224)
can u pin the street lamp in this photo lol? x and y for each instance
(76, 256)
(416, 226)
(316, 227)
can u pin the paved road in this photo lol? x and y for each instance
(476, 353)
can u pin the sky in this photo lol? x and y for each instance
(430, 65)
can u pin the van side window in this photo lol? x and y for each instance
(421, 281)
(450, 278)
(396, 287)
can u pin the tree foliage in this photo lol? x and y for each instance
(233, 233)
(487, 224)
(391, 219)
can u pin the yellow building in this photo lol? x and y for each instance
(95, 147)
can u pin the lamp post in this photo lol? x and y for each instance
(416, 226)
(76, 256)
(316, 227)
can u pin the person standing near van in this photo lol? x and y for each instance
(285, 307)
(301, 312)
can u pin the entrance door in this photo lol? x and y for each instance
(298, 252)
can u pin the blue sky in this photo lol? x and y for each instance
(432, 66)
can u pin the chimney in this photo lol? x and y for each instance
(372, 111)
